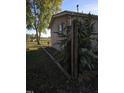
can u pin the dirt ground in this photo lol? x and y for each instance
(43, 76)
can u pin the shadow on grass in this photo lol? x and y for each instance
(36, 75)
(43, 76)
(41, 73)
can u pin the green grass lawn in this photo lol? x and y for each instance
(30, 45)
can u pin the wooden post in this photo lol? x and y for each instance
(74, 50)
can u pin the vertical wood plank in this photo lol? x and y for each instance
(74, 50)
(72, 44)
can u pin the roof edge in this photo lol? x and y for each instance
(66, 12)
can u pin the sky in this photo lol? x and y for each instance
(85, 6)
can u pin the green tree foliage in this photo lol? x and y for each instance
(65, 45)
(39, 13)
(87, 57)
(29, 15)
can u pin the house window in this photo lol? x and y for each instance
(61, 27)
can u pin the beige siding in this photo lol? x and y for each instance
(54, 28)
(66, 19)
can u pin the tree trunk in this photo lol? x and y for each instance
(37, 37)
